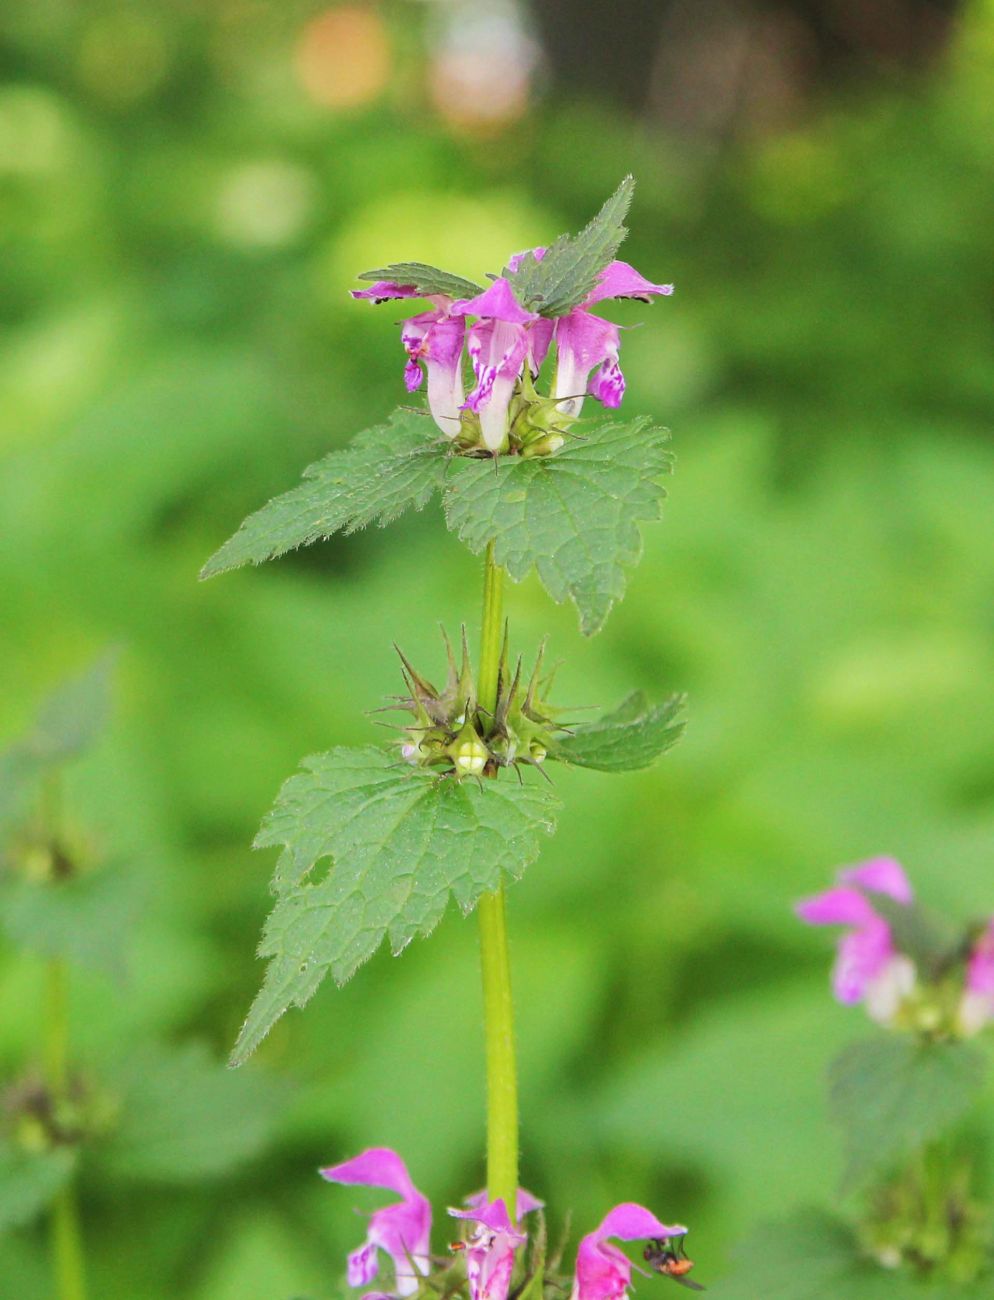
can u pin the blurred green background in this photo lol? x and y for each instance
(186, 193)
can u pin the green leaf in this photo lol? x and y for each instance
(426, 279)
(383, 472)
(86, 919)
(572, 516)
(631, 737)
(68, 723)
(184, 1117)
(811, 1256)
(892, 1094)
(401, 841)
(571, 266)
(29, 1181)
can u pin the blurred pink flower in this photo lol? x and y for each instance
(868, 967)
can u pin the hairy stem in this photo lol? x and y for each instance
(498, 1008)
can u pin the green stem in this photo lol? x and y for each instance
(498, 1007)
(65, 1236)
(64, 1230)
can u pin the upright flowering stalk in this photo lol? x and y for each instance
(375, 847)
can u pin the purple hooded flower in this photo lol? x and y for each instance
(868, 966)
(490, 1250)
(435, 337)
(403, 1229)
(587, 345)
(977, 1006)
(603, 1272)
(499, 345)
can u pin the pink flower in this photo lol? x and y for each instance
(977, 1005)
(403, 1229)
(499, 345)
(603, 1272)
(526, 1202)
(490, 1250)
(587, 345)
(868, 966)
(436, 338)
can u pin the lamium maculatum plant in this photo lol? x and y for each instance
(907, 1098)
(533, 473)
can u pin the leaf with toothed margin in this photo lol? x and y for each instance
(383, 472)
(631, 737)
(572, 516)
(400, 841)
(428, 280)
(570, 267)
(894, 1093)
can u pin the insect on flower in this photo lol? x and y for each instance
(668, 1257)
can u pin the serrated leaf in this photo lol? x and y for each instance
(184, 1116)
(892, 1094)
(572, 516)
(29, 1181)
(86, 919)
(401, 841)
(631, 737)
(68, 722)
(571, 265)
(428, 280)
(383, 472)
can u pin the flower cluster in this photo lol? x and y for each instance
(449, 731)
(909, 974)
(402, 1231)
(506, 345)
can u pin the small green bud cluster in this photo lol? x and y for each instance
(39, 1118)
(537, 425)
(926, 1222)
(450, 732)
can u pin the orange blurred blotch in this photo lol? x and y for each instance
(343, 57)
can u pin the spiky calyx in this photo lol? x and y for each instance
(449, 731)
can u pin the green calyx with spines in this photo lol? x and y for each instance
(451, 733)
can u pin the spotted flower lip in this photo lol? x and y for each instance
(402, 1229)
(603, 1271)
(436, 338)
(499, 345)
(868, 968)
(490, 1250)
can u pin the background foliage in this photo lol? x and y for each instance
(185, 195)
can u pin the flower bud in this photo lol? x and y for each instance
(468, 752)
